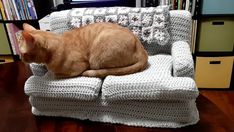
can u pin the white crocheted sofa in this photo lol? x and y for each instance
(163, 95)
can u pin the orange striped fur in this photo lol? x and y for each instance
(95, 50)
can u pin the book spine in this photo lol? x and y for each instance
(194, 35)
(183, 4)
(27, 9)
(9, 32)
(16, 10)
(193, 7)
(187, 5)
(31, 12)
(21, 10)
(24, 9)
(34, 9)
(176, 5)
(11, 6)
(138, 3)
(10, 10)
(190, 6)
(172, 4)
(142, 3)
(15, 29)
(6, 9)
(2, 10)
(18, 38)
(197, 8)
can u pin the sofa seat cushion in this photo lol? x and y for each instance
(84, 88)
(155, 82)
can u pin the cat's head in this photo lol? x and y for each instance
(33, 45)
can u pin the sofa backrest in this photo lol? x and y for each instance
(180, 26)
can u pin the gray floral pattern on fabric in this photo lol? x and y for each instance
(149, 24)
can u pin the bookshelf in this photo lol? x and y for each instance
(215, 44)
(212, 41)
(193, 7)
(13, 13)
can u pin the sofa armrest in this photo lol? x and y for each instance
(183, 65)
(38, 69)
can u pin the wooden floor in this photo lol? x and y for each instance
(224, 99)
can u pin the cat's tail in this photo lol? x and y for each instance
(139, 66)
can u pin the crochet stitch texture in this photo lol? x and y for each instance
(163, 95)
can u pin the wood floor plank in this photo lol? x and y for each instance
(223, 99)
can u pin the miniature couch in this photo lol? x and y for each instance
(163, 95)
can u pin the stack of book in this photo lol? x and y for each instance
(18, 10)
(190, 5)
(14, 34)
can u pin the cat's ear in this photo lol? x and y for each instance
(28, 27)
(29, 43)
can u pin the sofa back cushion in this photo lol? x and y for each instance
(179, 27)
(151, 25)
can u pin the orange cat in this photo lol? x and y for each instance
(95, 50)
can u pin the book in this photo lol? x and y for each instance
(179, 4)
(27, 9)
(196, 9)
(31, 9)
(20, 9)
(193, 7)
(187, 5)
(16, 10)
(2, 11)
(183, 4)
(176, 5)
(138, 3)
(18, 35)
(13, 11)
(172, 4)
(11, 38)
(194, 36)
(5, 6)
(15, 31)
(10, 11)
(12, 30)
(23, 7)
(34, 9)
(142, 3)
